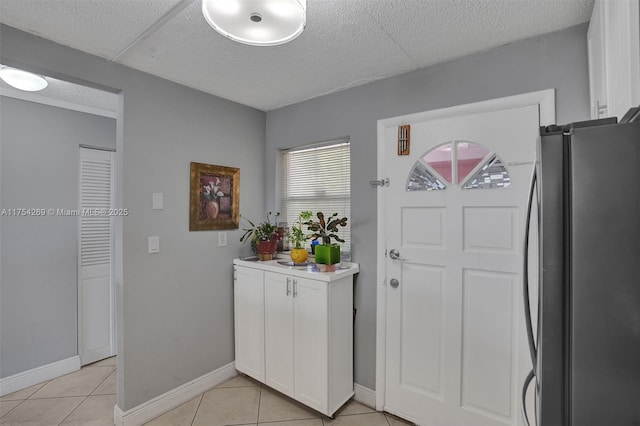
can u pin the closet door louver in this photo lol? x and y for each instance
(95, 257)
(95, 202)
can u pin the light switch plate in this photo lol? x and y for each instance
(222, 239)
(154, 245)
(158, 201)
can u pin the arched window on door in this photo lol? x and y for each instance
(467, 164)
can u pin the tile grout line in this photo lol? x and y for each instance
(42, 384)
(74, 409)
(259, 402)
(21, 402)
(103, 380)
(61, 397)
(196, 412)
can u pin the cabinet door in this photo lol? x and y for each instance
(249, 321)
(597, 63)
(622, 48)
(310, 343)
(279, 332)
(613, 42)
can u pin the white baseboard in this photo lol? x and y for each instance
(364, 396)
(175, 397)
(38, 375)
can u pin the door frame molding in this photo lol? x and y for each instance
(544, 99)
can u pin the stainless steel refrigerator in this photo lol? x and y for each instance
(586, 350)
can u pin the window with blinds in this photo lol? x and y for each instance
(317, 178)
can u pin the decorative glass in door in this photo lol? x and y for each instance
(468, 164)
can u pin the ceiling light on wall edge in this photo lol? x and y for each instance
(257, 22)
(22, 80)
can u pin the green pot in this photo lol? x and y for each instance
(328, 254)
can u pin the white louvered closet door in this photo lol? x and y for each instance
(96, 322)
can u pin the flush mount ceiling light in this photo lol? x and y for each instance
(257, 22)
(22, 80)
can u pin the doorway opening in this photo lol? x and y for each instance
(43, 135)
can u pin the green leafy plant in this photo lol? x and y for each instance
(263, 231)
(325, 229)
(296, 236)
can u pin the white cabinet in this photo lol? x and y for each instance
(613, 42)
(308, 333)
(278, 326)
(296, 345)
(248, 304)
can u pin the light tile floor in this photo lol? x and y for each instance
(87, 398)
(83, 398)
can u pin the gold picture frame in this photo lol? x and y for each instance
(214, 200)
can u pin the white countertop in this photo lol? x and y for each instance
(299, 271)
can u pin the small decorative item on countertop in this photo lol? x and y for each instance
(264, 235)
(326, 229)
(322, 267)
(283, 243)
(292, 263)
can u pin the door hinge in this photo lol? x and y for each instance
(383, 182)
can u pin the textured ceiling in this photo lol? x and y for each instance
(69, 92)
(346, 42)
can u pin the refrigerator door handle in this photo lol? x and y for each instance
(525, 274)
(525, 388)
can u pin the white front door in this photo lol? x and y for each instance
(96, 291)
(456, 351)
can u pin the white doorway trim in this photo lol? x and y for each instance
(50, 101)
(544, 99)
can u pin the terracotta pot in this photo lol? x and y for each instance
(212, 208)
(266, 249)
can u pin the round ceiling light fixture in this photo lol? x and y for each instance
(257, 22)
(22, 80)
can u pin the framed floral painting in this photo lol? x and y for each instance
(214, 197)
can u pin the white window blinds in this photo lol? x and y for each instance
(317, 179)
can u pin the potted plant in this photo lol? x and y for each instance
(264, 236)
(324, 230)
(297, 237)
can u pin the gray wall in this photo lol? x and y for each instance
(175, 308)
(38, 267)
(557, 60)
